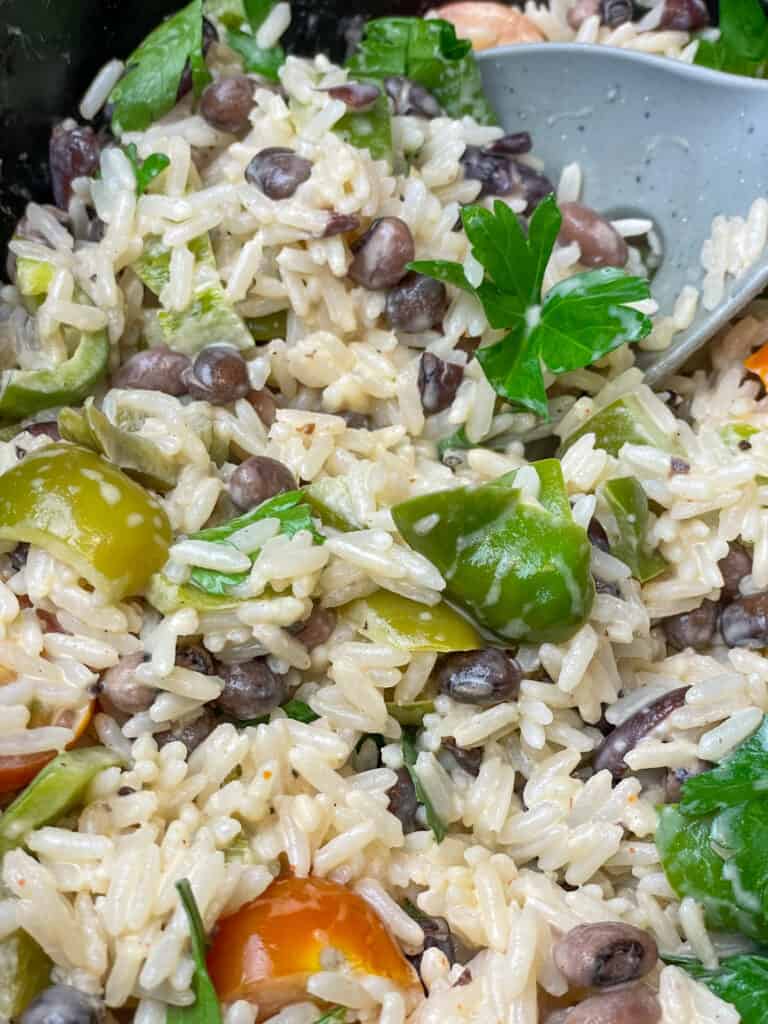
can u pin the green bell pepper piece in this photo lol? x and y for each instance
(168, 597)
(266, 328)
(733, 433)
(33, 277)
(388, 618)
(54, 791)
(332, 502)
(625, 421)
(25, 970)
(519, 567)
(628, 534)
(412, 713)
(25, 392)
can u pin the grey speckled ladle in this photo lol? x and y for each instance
(655, 138)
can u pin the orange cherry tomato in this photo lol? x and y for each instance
(19, 769)
(267, 950)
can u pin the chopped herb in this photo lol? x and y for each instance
(742, 48)
(409, 760)
(337, 1015)
(290, 508)
(628, 503)
(206, 1008)
(145, 170)
(740, 777)
(298, 710)
(410, 714)
(260, 60)
(734, 434)
(369, 129)
(149, 87)
(581, 319)
(739, 980)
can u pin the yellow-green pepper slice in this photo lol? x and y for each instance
(89, 514)
(388, 618)
(625, 421)
(25, 970)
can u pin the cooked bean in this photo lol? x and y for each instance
(677, 777)
(257, 479)
(736, 565)
(605, 954)
(438, 935)
(582, 10)
(226, 103)
(635, 1004)
(191, 732)
(678, 466)
(44, 428)
(694, 629)
(438, 382)
(218, 375)
(317, 628)
(356, 420)
(251, 689)
(62, 1004)
(625, 737)
(197, 658)
(495, 171)
(684, 15)
(356, 95)
(469, 759)
(121, 688)
(341, 224)
(479, 677)
(382, 254)
(154, 369)
(72, 153)
(210, 35)
(416, 304)
(18, 557)
(604, 587)
(410, 98)
(264, 404)
(744, 623)
(514, 144)
(277, 172)
(615, 12)
(533, 186)
(403, 802)
(598, 538)
(600, 243)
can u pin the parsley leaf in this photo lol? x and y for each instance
(145, 170)
(428, 52)
(740, 980)
(298, 710)
(235, 15)
(742, 48)
(335, 1016)
(409, 760)
(742, 776)
(149, 87)
(579, 321)
(206, 1008)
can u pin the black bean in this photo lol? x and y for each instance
(615, 12)
(684, 15)
(580, 11)
(382, 254)
(465, 978)
(736, 565)
(257, 479)
(341, 224)
(218, 375)
(356, 420)
(356, 95)
(694, 629)
(678, 466)
(625, 737)
(126, 791)
(479, 677)
(44, 428)
(598, 538)
(744, 623)
(120, 687)
(317, 628)
(190, 733)
(226, 103)
(677, 777)
(469, 759)
(635, 1004)
(605, 954)
(277, 172)
(533, 186)
(410, 98)
(72, 153)
(604, 587)
(154, 369)
(403, 802)
(438, 382)
(600, 243)
(417, 303)
(210, 35)
(62, 1004)
(265, 405)
(438, 935)
(495, 171)
(251, 689)
(514, 144)
(18, 557)
(195, 657)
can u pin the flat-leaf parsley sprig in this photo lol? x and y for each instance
(580, 320)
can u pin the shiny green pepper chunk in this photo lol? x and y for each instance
(388, 618)
(87, 513)
(168, 597)
(624, 421)
(25, 970)
(26, 392)
(519, 566)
